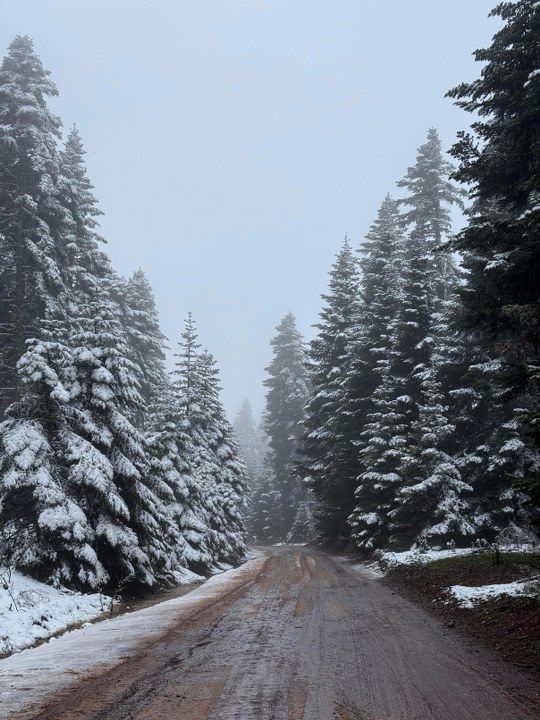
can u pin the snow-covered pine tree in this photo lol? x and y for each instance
(396, 461)
(225, 481)
(429, 196)
(53, 533)
(43, 530)
(286, 398)
(145, 340)
(380, 453)
(108, 461)
(371, 388)
(264, 507)
(480, 409)
(428, 281)
(252, 444)
(192, 448)
(250, 439)
(330, 458)
(88, 263)
(429, 507)
(498, 159)
(303, 529)
(31, 217)
(169, 453)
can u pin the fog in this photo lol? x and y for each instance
(233, 143)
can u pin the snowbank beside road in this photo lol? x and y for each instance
(28, 677)
(422, 557)
(468, 597)
(32, 611)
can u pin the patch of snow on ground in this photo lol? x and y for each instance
(468, 597)
(28, 677)
(369, 570)
(32, 611)
(421, 557)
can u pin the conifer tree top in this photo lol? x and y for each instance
(430, 192)
(21, 62)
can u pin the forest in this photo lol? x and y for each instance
(410, 419)
(114, 473)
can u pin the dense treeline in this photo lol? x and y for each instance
(421, 425)
(424, 413)
(111, 471)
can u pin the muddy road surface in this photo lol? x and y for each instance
(306, 638)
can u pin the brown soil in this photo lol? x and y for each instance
(509, 626)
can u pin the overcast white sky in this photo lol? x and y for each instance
(232, 143)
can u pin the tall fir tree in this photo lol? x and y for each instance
(250, 439)
(191, 445)
(500, 244)
(265, 507)
(88, 263)
(224, 477)
(370, 385)
(286, 398)
(411, 453)
(252, 444)
(170, 453)
(330, 455)
(44, 531)
(54, 539)
(31, 215)
(145, 341)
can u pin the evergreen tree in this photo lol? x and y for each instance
(500, 244)
(144, 339)
(371, 387)
(429, 506)
(169, 450)
(429, 478)
(303, 528)
(44, 531)
(265, 507)
(36, 307)
(31, 216)
(250, 439)
(480, 409)
(192, 446)
(288, 393)
(406, 466)
(221, 472)
(108, 463)
(330, 456)
(87, 263)
(252, 445)
(430, 195)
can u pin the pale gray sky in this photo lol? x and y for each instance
(232, 143)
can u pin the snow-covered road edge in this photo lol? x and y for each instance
(31, 611)
(391, 560)
(28, 677)
(468, 597)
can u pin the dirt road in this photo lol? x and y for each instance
(307, 638)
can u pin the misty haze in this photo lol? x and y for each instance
(269, 360)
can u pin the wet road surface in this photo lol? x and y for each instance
(305, 638)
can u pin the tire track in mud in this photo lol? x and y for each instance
(307, 639)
